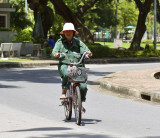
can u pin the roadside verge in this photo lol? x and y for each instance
(139, 84)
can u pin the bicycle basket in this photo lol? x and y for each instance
(77, 74)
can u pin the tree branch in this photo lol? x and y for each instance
(62, 9)
(147, 5)
(144, 7)
(139, 4)
(86, 6)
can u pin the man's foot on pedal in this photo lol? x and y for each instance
(83, 110)
(63, 96)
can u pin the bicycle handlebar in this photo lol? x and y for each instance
(76, 63)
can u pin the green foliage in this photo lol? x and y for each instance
(147, 41)
(5, 29)
(149, 51)
(24, 36)
(127, 13)
(102, 14)
(149, 48)
(17, 59)
(57, 23)
(100, 51)
(2, 41)
(48, 51)
(18, 18)
(105, 14)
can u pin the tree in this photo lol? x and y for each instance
(127, 13)
(62, 8)
(144, 8)
(75, 17)
(158, 11)
(18, 20)
(47, 15)
(106, 14)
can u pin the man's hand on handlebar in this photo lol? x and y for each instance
(89, 53)
(57, 55)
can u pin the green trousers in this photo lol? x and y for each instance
(66, 84)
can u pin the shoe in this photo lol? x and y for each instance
(83, 110)
(63, 96)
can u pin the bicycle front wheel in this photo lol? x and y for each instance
(68, 108)
(77, 105)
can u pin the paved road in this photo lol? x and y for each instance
(29, 103)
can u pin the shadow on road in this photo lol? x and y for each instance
(150, 137)
(8, 86)
(93, 82)
(36, 75)
(67, 135)
(75, 136)
(84, 121)
(90, 121)
(42, 129)
(99, 73)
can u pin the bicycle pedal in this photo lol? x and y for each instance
(62, 103)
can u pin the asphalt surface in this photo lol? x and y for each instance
(30, 107)
(29, 102)
(49, 62)
(115, 82)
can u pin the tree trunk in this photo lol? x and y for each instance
(47, 19)
(140, 30)
(116, 14)
(141, 27)
(69, 16)
(158, 11)
(46, 14)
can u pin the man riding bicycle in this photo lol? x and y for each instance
(69, 45)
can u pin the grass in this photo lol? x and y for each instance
(15, 59)
(126, 45)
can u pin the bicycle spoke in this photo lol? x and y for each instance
(77, 105)
(68, 108)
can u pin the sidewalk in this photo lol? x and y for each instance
(138, 83)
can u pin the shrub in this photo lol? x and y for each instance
(100, 51)
(5, 29)
(147, 41)
(48, 51)
(24, 35)
(148, 48)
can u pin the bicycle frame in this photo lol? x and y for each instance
(74, 95)
(85, 55)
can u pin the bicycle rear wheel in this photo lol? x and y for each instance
(68, 108)
(77, 105)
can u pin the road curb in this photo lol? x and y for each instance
(122, 60)
(49, 62)
(27, 64)
(152, 96)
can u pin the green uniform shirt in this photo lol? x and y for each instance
(76, 46)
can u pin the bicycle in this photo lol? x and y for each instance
(76, 76)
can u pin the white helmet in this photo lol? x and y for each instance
(68, 26)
